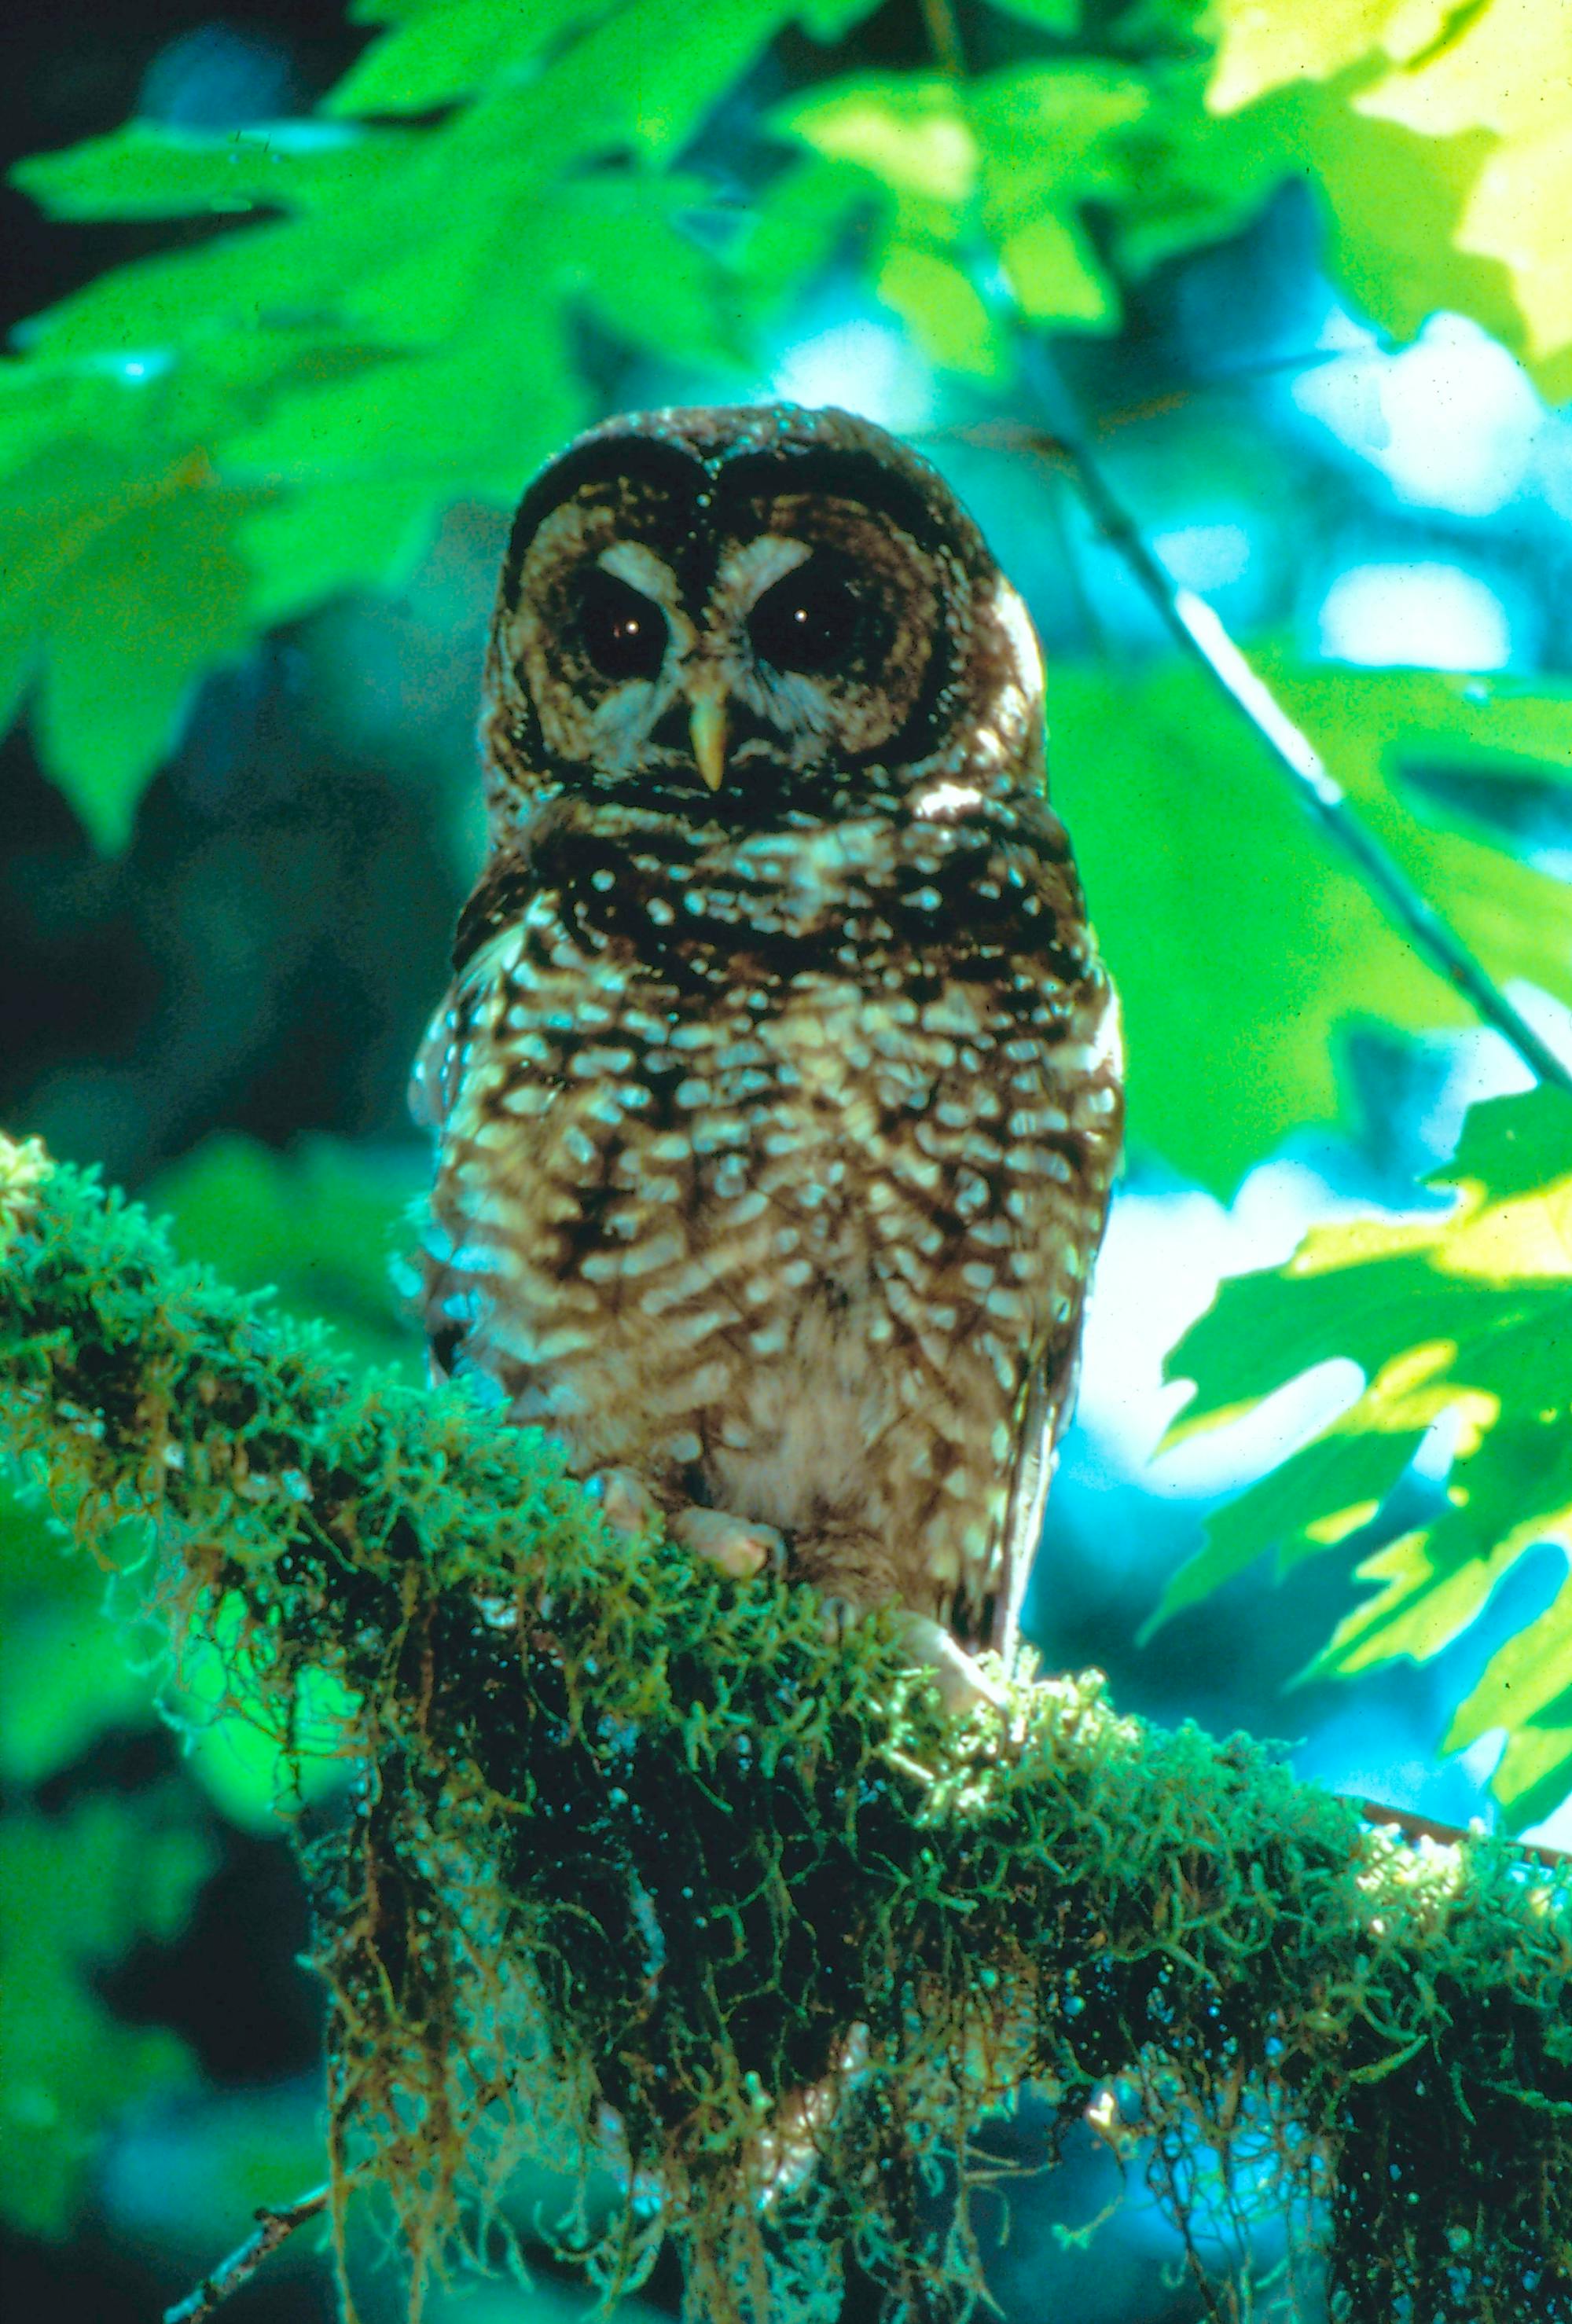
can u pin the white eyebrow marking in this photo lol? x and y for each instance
(747, 572)
(642, 569)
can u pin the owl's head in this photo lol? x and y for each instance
(748, 614)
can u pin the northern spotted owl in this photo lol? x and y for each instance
(778, 1091)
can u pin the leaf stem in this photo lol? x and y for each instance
(275, 2223)
(944, 35)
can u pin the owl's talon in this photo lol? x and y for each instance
(962, 1684)
(626, 1502)
(838, 1619)
(739, 1547)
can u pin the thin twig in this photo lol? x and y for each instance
(1419, 1827)
(944, 36)
(274, 2224)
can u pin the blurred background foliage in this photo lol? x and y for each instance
(298, 304)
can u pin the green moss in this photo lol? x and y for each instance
(634, 1851)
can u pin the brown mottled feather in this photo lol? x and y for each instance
(776, 1125)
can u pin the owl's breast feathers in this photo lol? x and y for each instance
(774, 1164)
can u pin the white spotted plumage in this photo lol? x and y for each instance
(777, 1112)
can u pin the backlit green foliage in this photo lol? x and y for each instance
(83, 1884)
(1462, 1312)
(76, 1891)
(401, 302)
(627, 1837)
(1239, 939)
(393, 317)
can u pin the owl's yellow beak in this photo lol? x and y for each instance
(707, 725)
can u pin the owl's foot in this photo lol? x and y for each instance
(626, 1502)
(738, 1545)
(741, 1547)
(854, 1570)
(960, 1682)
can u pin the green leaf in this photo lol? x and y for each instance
(322, 1225)
(442, 50)
(627, 259)
(18, 659)
(795, 229)
(123, 585)
(502, 385)
(832, 20)
(76, 1892)
(146, 171)
(1464, 1312)
(1334, 1484)
(1240, 939)
(157, 598)
(1062, 16)
(66, 1676)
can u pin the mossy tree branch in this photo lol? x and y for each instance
(633, 1851)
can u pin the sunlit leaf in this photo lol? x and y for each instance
(1241, 940)
(1263, 44)
(943, 309)
(1463, 1314)
(1485, 92)
(1054, 274)
(910, 134)
(1003, 161)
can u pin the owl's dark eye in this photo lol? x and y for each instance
(622, 634)
(816, 620)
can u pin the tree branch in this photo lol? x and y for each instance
(274, 2226)
(634, 1851)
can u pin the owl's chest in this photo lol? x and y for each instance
(707, 1157)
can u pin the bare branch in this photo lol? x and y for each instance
(274, 2225)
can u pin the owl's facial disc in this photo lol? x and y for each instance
(827, 614)
(732, 637)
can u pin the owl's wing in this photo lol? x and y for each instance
(444, 1089)
(1048, 1402)
(1049, 1397)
